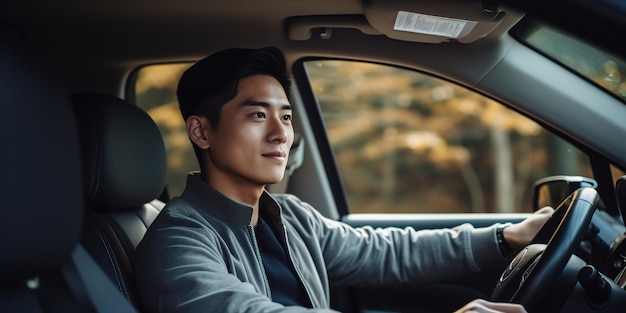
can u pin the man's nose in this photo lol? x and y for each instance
(279, 131)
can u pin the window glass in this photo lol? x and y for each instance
(405, 142)
(155, 90)
(616, 172)
(607, 70)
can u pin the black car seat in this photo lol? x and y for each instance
(43, 268)
(124, 168)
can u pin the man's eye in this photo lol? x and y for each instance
(258, 115)
(287, 117)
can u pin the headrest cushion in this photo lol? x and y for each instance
(123, 152)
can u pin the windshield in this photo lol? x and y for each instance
(604, 69)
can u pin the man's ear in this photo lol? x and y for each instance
(198, 130)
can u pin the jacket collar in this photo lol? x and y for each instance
(210, 201)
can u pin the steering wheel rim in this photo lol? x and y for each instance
(537, 266)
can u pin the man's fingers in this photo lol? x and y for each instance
(545, 210)
(484, 306)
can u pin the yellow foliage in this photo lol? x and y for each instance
(159, 76)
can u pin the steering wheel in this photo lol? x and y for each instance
(532, 272)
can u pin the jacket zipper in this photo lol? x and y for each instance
(268, 292)
(304, 285)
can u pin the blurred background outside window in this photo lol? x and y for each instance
(404, 142)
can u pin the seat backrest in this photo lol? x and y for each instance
(124, 168)
(43, 268)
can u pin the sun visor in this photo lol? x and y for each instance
(434, 21)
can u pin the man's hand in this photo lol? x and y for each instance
(484, 306)
(519, 235)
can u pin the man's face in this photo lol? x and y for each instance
(252, 141)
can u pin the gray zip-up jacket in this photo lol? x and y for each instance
(201, 255)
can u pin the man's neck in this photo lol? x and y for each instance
(240, 191)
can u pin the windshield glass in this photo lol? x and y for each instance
(606, 70)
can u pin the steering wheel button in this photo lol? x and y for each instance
(513, 266)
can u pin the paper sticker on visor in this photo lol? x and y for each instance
(432, 25)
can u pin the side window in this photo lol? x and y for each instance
(155, 92)
(405, 142)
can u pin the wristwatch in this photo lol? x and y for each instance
(505, 249)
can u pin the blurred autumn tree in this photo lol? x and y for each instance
(407, 142)
(156, 93)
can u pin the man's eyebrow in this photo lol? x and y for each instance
(252, 102)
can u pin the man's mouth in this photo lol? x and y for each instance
(275, 154)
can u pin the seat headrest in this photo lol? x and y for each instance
(124, 158)
(41, 192)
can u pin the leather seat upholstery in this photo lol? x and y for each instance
(40, 167)
(43, 268)
(124, 168)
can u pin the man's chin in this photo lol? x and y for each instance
(274, 180)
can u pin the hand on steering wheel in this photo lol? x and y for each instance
(533, 271)
(483, 306)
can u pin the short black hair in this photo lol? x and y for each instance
(211, 82)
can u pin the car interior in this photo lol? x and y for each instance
(45, 269)
(89, 153)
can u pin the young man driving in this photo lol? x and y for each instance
(228, 245)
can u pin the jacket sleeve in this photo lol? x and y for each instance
(369, 256)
